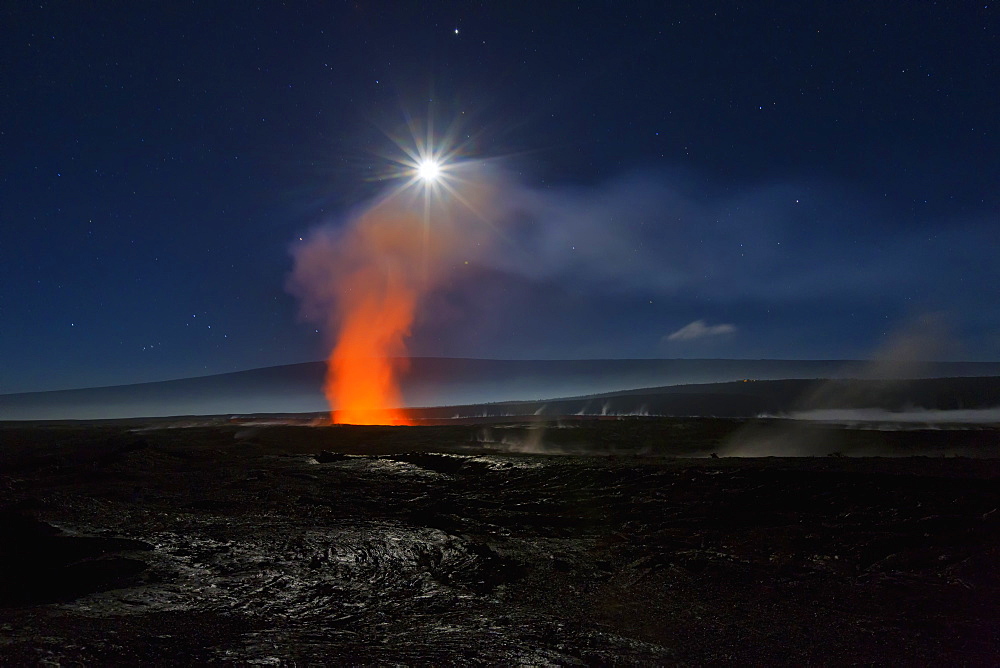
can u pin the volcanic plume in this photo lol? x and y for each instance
(366, 279)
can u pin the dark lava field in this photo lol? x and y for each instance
(586, 543)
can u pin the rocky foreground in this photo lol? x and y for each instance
(161, 544)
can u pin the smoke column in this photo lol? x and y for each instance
(365, 281)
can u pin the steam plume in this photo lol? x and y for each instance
(366, 279)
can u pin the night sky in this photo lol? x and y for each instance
(706, 179)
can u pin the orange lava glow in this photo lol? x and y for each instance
(378, 296)
(362, 380)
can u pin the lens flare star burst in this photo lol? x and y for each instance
(427, 163)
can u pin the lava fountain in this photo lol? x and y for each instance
(365, 280)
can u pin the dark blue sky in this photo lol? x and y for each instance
(786, 180)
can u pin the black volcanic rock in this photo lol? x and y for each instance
(39, 564)
(593, 544)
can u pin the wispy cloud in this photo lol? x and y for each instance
(699, 329)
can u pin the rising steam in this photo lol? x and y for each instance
(366, 279)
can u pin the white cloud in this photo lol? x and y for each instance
(699, 330)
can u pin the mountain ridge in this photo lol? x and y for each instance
(297, 388)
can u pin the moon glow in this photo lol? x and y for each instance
(429, 170)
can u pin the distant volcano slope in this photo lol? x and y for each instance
(430, 382)
(957, 398)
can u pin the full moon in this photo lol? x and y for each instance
(428, 170)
